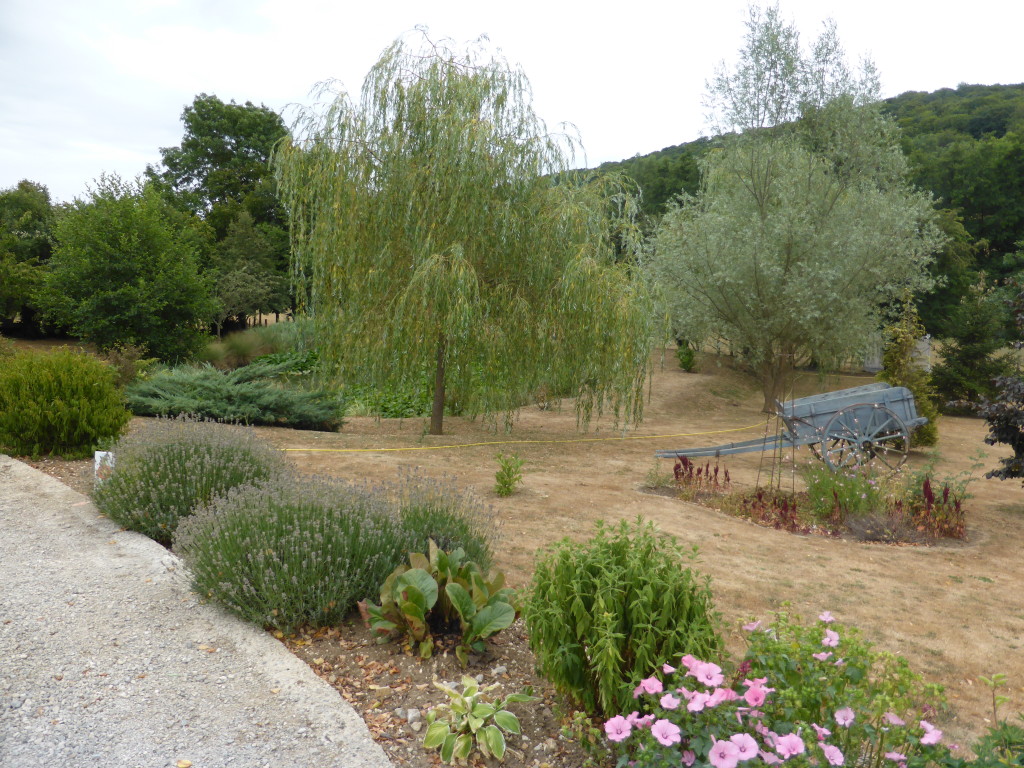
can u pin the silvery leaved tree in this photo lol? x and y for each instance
(804, 226)
(440, 235)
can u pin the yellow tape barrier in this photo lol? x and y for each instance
(519, 442)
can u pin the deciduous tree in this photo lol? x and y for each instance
(124, 271)
(441, 235)
(804, 225)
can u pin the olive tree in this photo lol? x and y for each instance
(440, 236)
(804, 226)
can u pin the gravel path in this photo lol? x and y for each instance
(106, 657)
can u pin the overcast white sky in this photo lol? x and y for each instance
(99, 86)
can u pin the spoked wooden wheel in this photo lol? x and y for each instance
(865, 434)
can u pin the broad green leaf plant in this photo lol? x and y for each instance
(440, 589)
(471, 719)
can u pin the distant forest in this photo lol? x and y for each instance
(964, 145)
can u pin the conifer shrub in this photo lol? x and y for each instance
(64, 403)
(900, 370)
(256, 394)
(295, 551)
(161, 475)
(601, 614)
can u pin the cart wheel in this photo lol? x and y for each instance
(861, 434)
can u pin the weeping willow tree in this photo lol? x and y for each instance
(440, 235)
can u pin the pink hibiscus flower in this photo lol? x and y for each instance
(697, 702)
(689, 758)
(648, 685)
(668, 701)
(932, 735)
(827, 617)
(618, 728)
(745, 744)
(724, 754)
(831, 638)
(789, 745)
(833, 754)
(708, 673)
(845, 716)
(666, 733)
(823, 656)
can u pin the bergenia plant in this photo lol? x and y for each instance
(692, 715)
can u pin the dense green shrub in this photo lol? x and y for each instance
(603, 613)
(254, 394)
(971, 361)
(435, 510)
(389, 402)
(900, 370)
(292, 552)
(162, 474)
(64, 403)
(687, 355)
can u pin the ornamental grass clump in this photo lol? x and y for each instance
(803, 696)
(161, 474)
(63, 403)
(601, 613)
(292, 552)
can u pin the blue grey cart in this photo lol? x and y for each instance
(846, 429)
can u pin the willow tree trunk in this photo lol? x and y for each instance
(776, 373)
(437, 410)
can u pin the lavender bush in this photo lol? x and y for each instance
(294, 551)
(161, 474)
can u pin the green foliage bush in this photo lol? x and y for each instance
(162, 474)
(435, 593)
(603, 612)
(255, 394)
(471, 718)
(64, 403)
(900, 370)
(687, 356)
(509, 474)
(970, 361)
(389, 402)
(125, 269)
(292, 552)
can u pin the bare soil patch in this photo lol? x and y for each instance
(954, 610)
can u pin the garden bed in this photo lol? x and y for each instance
(952, 611)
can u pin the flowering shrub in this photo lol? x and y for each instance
(293, 551)
(815, 696)
(162, 474)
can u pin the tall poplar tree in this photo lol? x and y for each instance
(440, 235)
